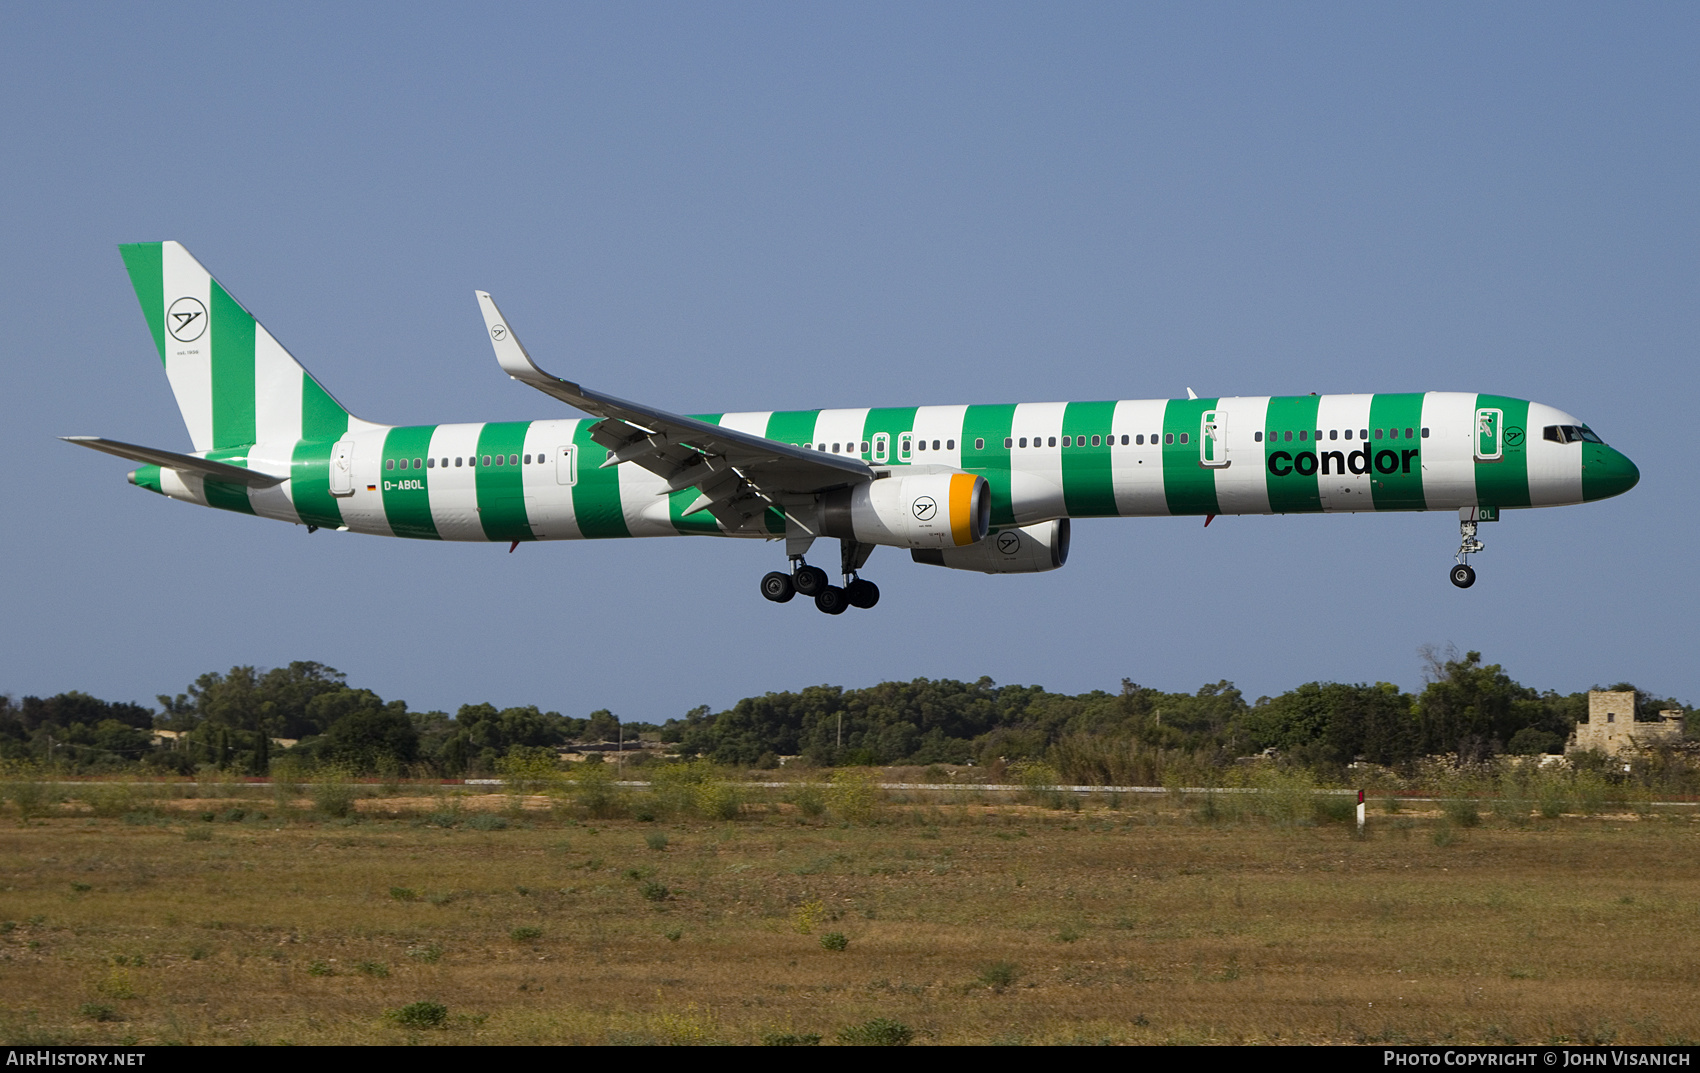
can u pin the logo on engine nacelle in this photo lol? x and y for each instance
(925, 508)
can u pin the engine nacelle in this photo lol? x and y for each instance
(941, 509)
(1030, 549)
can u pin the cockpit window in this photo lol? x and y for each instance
(1570, 434)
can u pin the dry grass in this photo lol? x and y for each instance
(968, 923)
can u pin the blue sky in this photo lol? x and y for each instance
(741, 207)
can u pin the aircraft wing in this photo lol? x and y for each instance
(739, 475)
(200, 467)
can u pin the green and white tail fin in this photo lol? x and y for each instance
(235, 384)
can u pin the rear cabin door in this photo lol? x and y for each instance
(342, 468)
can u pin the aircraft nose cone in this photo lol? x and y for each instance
(1608, 472)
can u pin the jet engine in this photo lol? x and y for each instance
(1030, 549)
(941, 509)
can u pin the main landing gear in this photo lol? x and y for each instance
(1463, 575)
(813, 582)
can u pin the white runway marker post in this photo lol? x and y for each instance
(1360, 813)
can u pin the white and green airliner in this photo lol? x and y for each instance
(970, 487)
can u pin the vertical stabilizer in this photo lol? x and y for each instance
(234, 383)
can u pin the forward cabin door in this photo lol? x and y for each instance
(1213, 439)
(1490, 435)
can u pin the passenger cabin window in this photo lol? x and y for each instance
(390, 464)
(979, 444)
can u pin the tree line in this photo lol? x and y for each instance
(245, 720)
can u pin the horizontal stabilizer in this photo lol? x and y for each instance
(200, 467)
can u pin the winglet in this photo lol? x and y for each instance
(511, 354)
(1191, 394)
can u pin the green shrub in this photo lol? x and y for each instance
(810, 801)
(880, 1032)
(855, 795)
(95, 1011)
(526, 933)
(1462, 811)
(320, 967)
(1038, 781)
(487, 821)
(111, 799)
(404, 894)
(718, 800)
(834, 940)
(653, 891)
(334, 793)
(998, 975)
(596, 791)
(421, 1015)
(656, 841)
(790, 1039)
(430, 954)
(376, 969)
(1335, 808)
(25, 785)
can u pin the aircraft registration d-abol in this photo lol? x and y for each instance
(990, 488)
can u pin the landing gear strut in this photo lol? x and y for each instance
(1463, 575)
(813, 582)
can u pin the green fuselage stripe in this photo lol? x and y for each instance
(990, 425)
(1286, 457)
(232, 344)
(1088, 488)
(501, 488)
(596, 496)
(1505, 483)
(310, 484)
(1396, 456)
(793, 426)
(407, 492)
(226, 496)
(1188, 486)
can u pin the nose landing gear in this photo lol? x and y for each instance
(1463, 574)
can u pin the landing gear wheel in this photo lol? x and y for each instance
(863, 594)
(832, 600)
(810, 580)
(778, 587)
(1463, 576)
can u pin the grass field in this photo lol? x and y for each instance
(493, 919)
